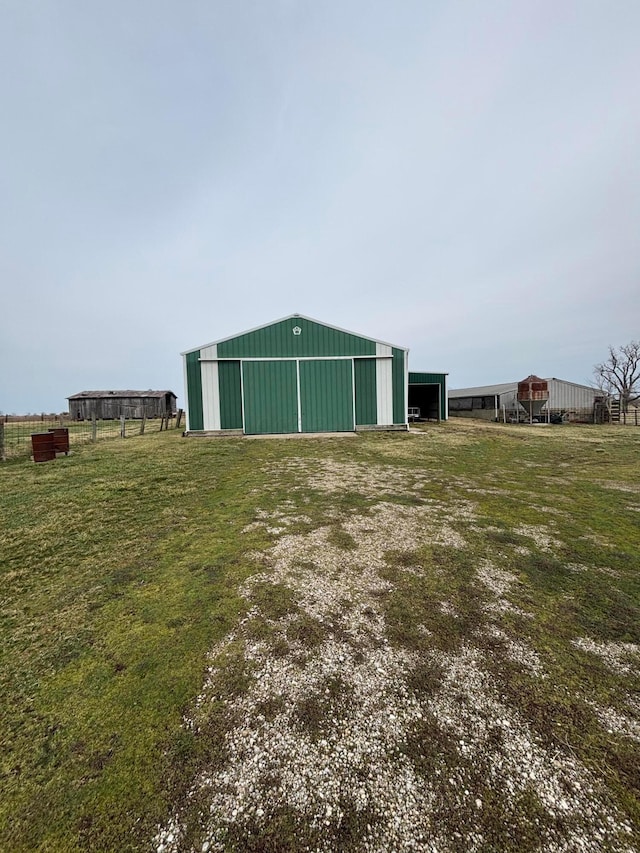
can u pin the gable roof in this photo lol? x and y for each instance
(506, 387)
(99, 395)
(483, 390)
(292, 317)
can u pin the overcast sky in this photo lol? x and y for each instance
(459, 178)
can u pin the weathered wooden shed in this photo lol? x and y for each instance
(295, 375)
(107, 405)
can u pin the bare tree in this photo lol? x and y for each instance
(619, 374)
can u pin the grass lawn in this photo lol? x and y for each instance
(15, 438)
(423, 641)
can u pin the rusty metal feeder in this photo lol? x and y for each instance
(43, 446)
(533, 393)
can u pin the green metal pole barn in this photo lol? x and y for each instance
(428, 394)
(295, 375)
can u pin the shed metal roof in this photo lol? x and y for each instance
(110, 394)
(505, 387)
(483, 390)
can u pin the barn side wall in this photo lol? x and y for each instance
(195, 415)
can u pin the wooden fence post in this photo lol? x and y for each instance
(2, 450)
(142, 423)
(94, 427)
(122, 427)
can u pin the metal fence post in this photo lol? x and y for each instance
(2, 450)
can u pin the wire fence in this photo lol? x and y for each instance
(16, 430)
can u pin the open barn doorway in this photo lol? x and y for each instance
(426, 399)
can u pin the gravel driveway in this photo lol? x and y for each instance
(342, 738)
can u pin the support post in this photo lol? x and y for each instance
(3, 456)
(94, 428)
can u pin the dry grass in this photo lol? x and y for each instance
(389, 726)
(389, 643)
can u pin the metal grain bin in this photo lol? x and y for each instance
(533, 393)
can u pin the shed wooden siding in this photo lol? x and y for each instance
(110, 405)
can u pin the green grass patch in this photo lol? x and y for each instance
(123, 566)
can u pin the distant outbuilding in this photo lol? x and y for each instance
(561, 400)
(428, 396)
(295, 375)
(107, 405)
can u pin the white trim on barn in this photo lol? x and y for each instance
(384, 391)
(186, 394)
